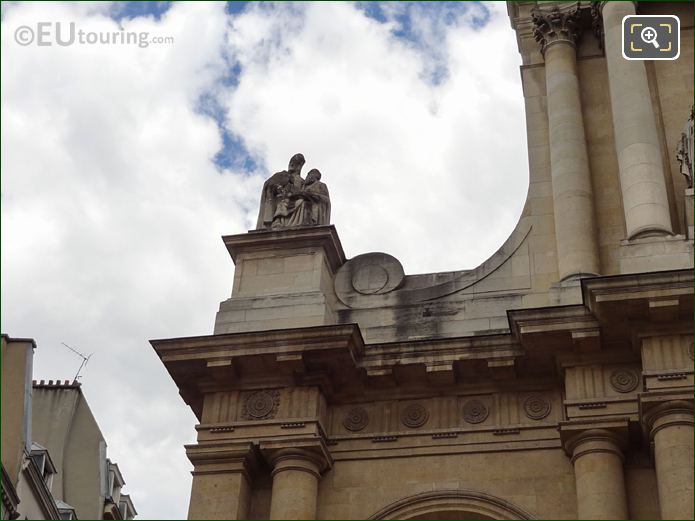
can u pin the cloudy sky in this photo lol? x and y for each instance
(123, 164)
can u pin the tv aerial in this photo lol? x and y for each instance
(84, 358)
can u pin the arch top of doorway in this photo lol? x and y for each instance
(471, 504)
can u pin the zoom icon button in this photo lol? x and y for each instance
(648, 37)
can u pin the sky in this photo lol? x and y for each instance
(123, 164)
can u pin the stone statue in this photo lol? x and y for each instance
(289, 201)
(684, 152)
(314, 207)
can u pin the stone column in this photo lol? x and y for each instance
(221, 480)
(295, 486)
(642, 182)
(297, 466)
(671, 430)
(598, 469)
(575, 228)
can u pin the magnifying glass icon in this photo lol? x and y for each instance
(648, 35)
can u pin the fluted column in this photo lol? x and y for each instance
(575, 227)
(598, 470)
(642, 182)
(297, 466)
(670, 427)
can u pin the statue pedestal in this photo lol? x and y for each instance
(282, 279)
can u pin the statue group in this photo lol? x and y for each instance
(289, 201)
(684, 152)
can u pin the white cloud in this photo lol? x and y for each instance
(112, 208)
(437, 174)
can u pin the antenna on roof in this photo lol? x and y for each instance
(84, 358)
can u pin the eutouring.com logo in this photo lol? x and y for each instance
(46, 34)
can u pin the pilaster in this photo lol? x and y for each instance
(221, 479)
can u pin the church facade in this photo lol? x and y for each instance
(555, 380)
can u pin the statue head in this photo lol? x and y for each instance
(296, 163)
(313, 176)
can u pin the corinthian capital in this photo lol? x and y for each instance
(555, 25)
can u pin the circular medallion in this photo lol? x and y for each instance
(356, 419)
(414, 415)
(368, 275)
(370, 279)
(536, 407)
(475, 411)
(624, 381)
(260, 405)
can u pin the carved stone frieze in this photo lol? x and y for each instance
(475, 411)
(555, 25)
(261, 405)
(414, 415)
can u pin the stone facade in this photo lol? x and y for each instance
(555, 380)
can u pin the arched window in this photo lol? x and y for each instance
(452, 504)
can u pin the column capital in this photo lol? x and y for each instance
(586, 437)
(597, 22)
(602, 3)
(225, 457)
(556, 25)
(658, 411)
(303, 454)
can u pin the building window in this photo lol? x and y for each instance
(39, 455)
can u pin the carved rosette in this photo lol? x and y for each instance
(261, 405)
(475, 411)
(536, 407)
(554, 25)
(624, 381)
(414, 415)
(356, 419)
